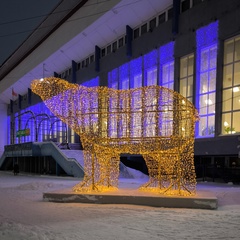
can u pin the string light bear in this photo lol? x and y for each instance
(153, 121)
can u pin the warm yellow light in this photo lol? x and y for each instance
(153, 121)
(208, 102)
(236, 89)
(225, 123)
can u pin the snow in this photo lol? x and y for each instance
(25, 216)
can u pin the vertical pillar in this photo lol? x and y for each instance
(29, 97)
(176, 12)
(3, 127)
(219, 77)
(19, 101)
(129, 35)
(74, 69)
(97, 59)
(177, 102)
(55, 74)
(11, 106)
(176, 74)
(194, 90)
(57, 169)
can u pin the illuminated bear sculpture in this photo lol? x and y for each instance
(153, 121)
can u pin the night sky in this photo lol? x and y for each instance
(18, 19)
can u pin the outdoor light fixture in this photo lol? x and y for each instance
(135, 121)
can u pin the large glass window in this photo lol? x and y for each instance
(186, 76)
(151, 76)
(168, 75)
(167, 65)
(124, 77)
(113, 79)
(17, 127)
(155, 67)
(136, 73)
(136, 81)
(166, 79)
(206, 64)
(37, 123)
(231, 87)
(94, 82)
(9, 139)
(150, 68)
(136, 106)
(207, 91)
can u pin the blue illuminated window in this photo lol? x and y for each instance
(206, 79)
(9, 130)
(113, 118)
(143, 71)
(136, 73)
(94, 82)
(166, 79)
(113, 79)
(167, 65)
(124, 76)
(136, 120)
(150, 68)
(16, 128)
(42, 125)
(167, 74)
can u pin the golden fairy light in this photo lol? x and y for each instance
(153, 121)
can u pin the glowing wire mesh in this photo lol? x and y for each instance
(153, 121)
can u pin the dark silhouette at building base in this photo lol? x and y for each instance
(16, 169)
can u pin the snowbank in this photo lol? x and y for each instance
(23, 214)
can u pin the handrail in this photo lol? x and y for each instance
(50, 149)
(70, 166)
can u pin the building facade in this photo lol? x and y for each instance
(190, 46)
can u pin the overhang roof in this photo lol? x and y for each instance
(72, 35)
(64, 10)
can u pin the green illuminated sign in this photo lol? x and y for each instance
(23, 132)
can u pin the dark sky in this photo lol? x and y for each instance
(18, 19)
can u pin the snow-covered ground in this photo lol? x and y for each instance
(25, 216)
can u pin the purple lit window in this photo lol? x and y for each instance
(150, 68)
(17, 122)
(166, 79)
(150, 117)
(124, 76)
(136, 106)
(9, 130)
(167, 65)
(113, 79)
(43, 125)
(113, 117)
(91, 106)
(136, 73)
(206, 64)
(94, 82)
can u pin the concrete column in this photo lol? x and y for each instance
(3, 127)
(97, 58)
(176, 12)
(129, 34)
(74, 69)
